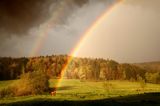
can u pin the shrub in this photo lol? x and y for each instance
(153, 77)
(35, 82)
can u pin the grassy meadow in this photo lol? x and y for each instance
(76, 90)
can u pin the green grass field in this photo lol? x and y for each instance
(75, 90)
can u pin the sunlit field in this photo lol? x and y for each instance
(72, 90)
(75, 89)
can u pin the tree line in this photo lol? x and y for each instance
(78, 68)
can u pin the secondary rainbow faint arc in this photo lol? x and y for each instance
(84, 37)
(46, 27)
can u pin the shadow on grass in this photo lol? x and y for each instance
(147, 99)
(65, 88)
(61, 88)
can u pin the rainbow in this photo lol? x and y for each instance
(85, 35)
(43, 33)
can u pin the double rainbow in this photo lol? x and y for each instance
(85, 35)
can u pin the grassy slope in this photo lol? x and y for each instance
(77, 91)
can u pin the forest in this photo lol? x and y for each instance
(79, 68)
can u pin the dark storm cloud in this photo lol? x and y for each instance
(18, 16)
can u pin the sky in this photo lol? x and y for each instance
(128, 33)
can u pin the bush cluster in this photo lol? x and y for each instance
(31, 83)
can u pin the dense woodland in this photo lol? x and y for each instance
(79, 68)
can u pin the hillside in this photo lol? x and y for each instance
(87, 81)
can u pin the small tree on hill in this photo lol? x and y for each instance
(141, 81)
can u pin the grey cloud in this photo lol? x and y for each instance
(76, 17)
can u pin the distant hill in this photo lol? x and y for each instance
(150, 66)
